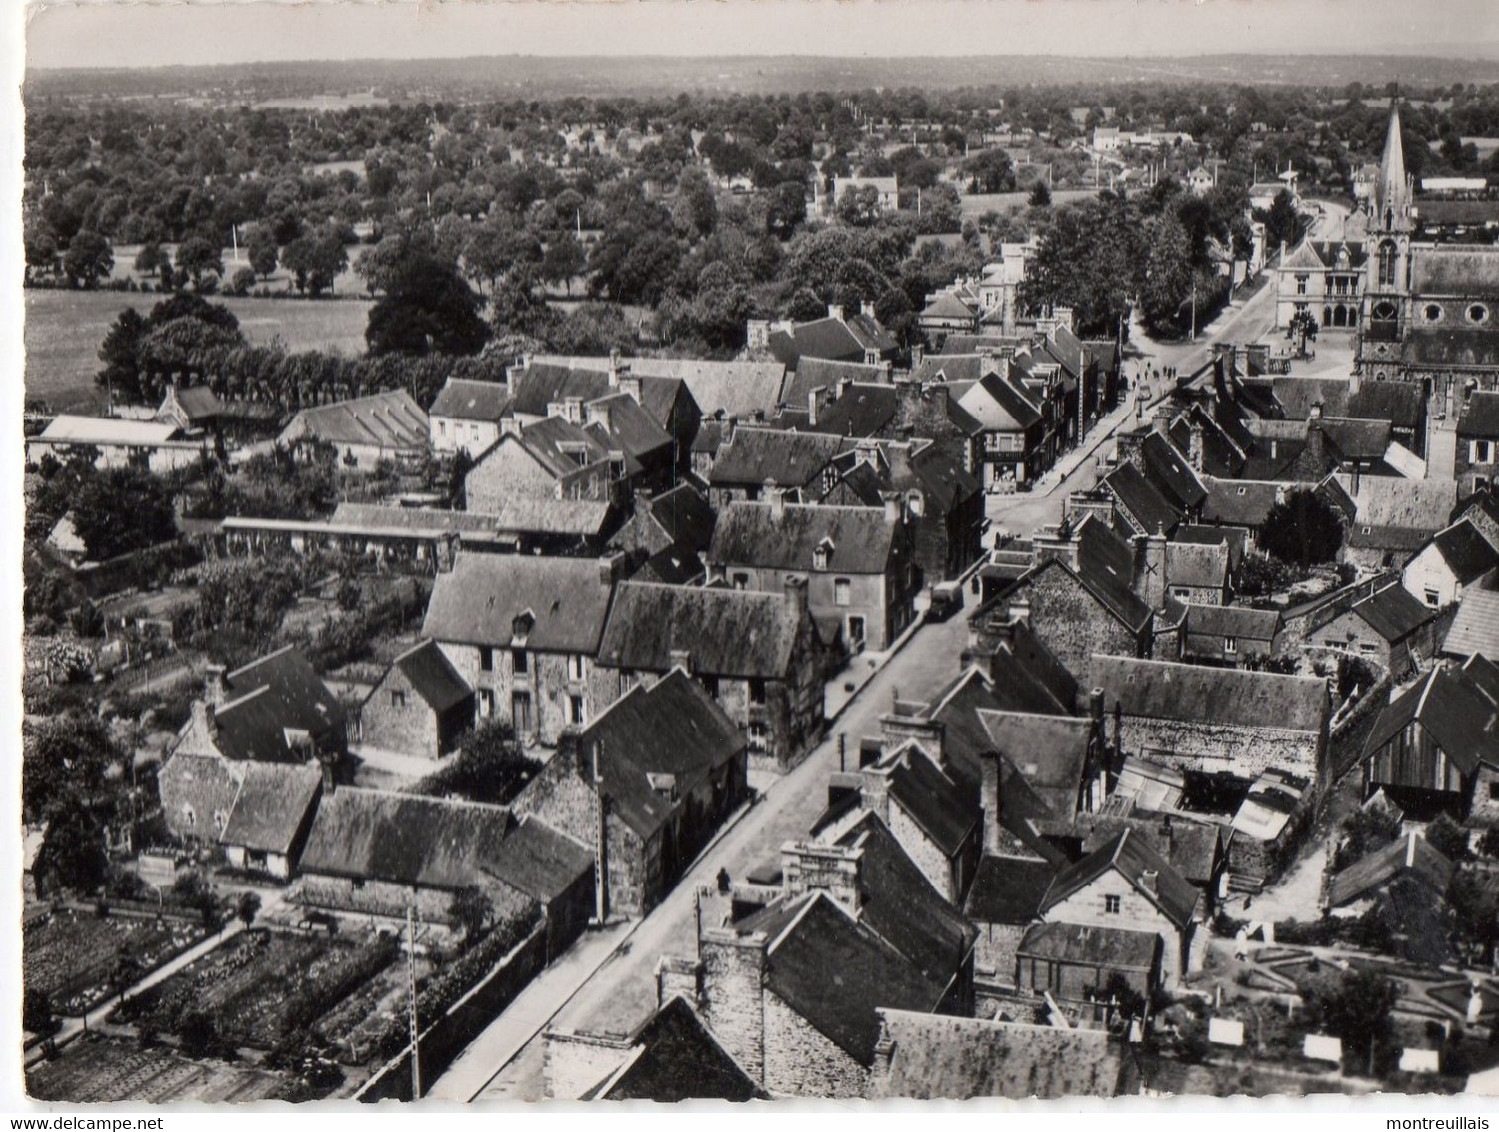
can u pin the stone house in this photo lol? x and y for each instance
(1435, 746)
(523, 632)
(1475, 627)
(365, 431)
(1198, 574)
(276, 708)
(420, 706)
(381, 852)
(258, 812)
(1394, 517)
(552, 459)
(1199, 719)
(759, 655)
(1482, 510)
(1230, 635)
(1455, 560)
(858, 563)
(755, 463)
(466, 415)
(1121, 908)
(1015, 447)
(679, 518)
(928, 813)
(1389, 627)
(652, 778)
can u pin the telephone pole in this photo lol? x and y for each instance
(416, 1055)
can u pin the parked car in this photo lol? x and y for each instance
(947, 599)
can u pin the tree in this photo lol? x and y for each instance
(36, 1011)
(314, 261)
(199, 257)
(990, 171)
(489, 767)
(1474, 912)
(1363, 832)
(88, 259)
(696, 210)
(263, 251)
(72, 850)
(198, 1034)
(148, 259)
(41, 249)
(120, 510)
(247, 908)
(1302, 529)
(121, 372)
(1357, 1009)
(1283, 224)
(787, 210)
(1447, 838)
(243, 281)
(1302, 325)
(562, 260)
(859, 206)
(428, 308)
(471, 909)
(1040, 195)
(1088, 260)
(1166, 280)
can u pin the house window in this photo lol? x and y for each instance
(710, 685)
(1231, 644)
(518, 662)
(520, 712)
(759, 737)
(820, 558)
(856, 631)
(626, 680)
(1494, 791)
(1478, 313)
(442, 428)
(486, 658)
(1301, 284)
(1433, 313)
(397, 698)
(486, 703)
(842, 591)
(1483, 451)
(1368, 647)
(756, 690)
(575, 669)
(741, 581)
(1181, 591)
(1433, 598)
(1111, 905)
(575, 714)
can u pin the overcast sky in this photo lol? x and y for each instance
(112, 33)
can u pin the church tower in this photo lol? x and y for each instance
(1387, 272)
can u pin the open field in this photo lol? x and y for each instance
(261, 986)
(97, 1069)
(64, 329)
(71, 955)
(974, 205)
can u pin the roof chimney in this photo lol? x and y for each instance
(610, 567)
(893, 509)
(682, 658)
(203, 718)
(796, 591)
(216, 684)
(1020, 611)
(777, 497)
(989, 799)
(613, 369)
(1151, 586)
(812, 406)
(835, 311)
(1150, 881)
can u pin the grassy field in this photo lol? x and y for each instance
(64, 329)
(97, 1069)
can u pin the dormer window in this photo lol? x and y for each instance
(822, 554)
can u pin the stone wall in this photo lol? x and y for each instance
(924, 853)
(1244, 751)
(994, 955)
(1072, 623)
(802, 1062)
(1136, 913)
(734, 996)
(396, 718)
(874, 597)
(546, 680)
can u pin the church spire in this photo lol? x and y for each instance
(1391, 199)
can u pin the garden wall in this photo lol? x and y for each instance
(465, 1020)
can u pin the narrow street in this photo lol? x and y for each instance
(620, 993)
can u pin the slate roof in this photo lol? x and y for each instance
(278, 692)
(468, 400)
(433, 676)
(897, 901)
(1357, 439)
(552, 441)
(549, 380)
(671, 728)
(1117, 949)
(862, 410)
(676, 1058)
(1222, 697)
(998, 405)
(1411, 854)
(199, 403)
(674, 565)
(1170, 473)
(1465, 551)
(1483, 674)
(1189, 847)
(834, 972)
(1238, 621)
(66, 429)
(1456, 347)
(1132, 857)
(823, 373)
(540, 861)
(271, 805)
(1475, 628)
(938, 1057)
(381, 516)
(1387, 501)
(1453, 711)
(389, 420)
(759, 455)
(1480, 416)
(546, 515)
(837, 339)
(1197, 565)
(1450, 269)
(957, 708)
(629, 429)
(1402, 403)
(1393, 612)
(478, 600)
(735, 389)
(1240, 502)
(862, 539)
(683, 516)
(1106, 565)
(1008, 890)
(739, 634)
(932, 800)
(951, 366)
(947, 305)
(1049, 751)
(1141, 500)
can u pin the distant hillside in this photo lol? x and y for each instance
(559, 77)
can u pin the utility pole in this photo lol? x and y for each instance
(601, 846)
(416, 1055)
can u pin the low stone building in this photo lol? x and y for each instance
(523, 631)
(420, 706)
(1455, 560)
(1230, 635)
(1388, 627)
(759, 655)
(466, 415)
(386, 427)
(652, 779)
(258, 812)
(1211, 720)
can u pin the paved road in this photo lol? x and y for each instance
(620, 993)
